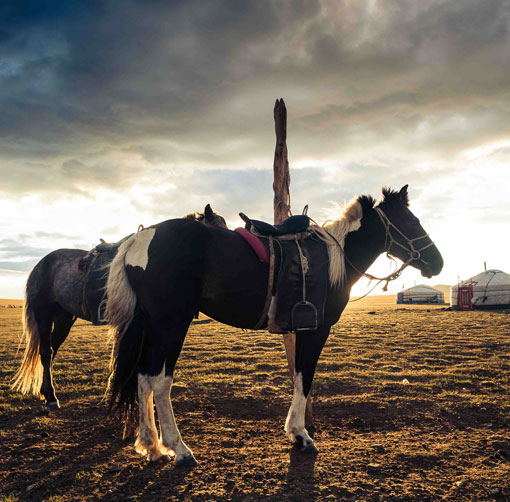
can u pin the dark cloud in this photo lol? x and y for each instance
(18, 266)
(250, 190)
(16, 254)
(89, 89)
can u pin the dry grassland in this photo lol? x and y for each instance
(410, 405)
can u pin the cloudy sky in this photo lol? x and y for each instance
(120, 113)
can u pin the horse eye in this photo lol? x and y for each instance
(415, 221)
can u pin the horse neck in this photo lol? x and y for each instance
(362, 248)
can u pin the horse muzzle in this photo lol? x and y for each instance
(429, 269)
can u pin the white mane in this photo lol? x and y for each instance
(349, 222)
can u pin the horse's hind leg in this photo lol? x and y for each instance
(147, 442)
(161, 385)
(44, 318)
(62, 323)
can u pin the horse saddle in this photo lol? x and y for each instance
(95, 266)
(104, 246)
(299, 269)
(291, 226)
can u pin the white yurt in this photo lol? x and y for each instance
(490, 289)
(420, 294)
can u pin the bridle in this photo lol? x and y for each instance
(413, 252)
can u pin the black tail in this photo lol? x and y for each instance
(123, 381)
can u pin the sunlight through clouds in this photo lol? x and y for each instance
(101, 131)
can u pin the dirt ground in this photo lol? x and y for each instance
(410, 404)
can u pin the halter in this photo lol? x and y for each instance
(414, 254)
(389, 241)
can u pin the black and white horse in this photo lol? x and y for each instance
(164, 275)
(54, 299)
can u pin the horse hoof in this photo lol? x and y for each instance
(305, 448)
(187, 461)
(156, 456)
(309, 448)
(54, 405)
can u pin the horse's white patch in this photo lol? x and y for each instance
(170, 436)
(295, 422)
(138, 254)
(349, 222)
(147, 442)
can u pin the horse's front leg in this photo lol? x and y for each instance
(309, 345)
(289, 341)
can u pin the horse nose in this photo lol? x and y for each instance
(438, 266)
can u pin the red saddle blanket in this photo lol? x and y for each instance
(255, 243)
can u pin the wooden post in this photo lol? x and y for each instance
(281, 182)
(281, 188)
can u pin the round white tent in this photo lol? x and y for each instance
(420, 294)
(489, 289)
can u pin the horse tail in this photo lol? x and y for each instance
(126, 334)
(29, 376)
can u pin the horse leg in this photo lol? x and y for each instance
(161, 385)
(147, 442)
(309, 346)
(44, 318)
(61, 327)
(289, 342)
(62, 324)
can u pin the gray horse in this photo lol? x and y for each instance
(65, 285)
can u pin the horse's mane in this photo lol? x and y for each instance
(194, 216)
(348, 222)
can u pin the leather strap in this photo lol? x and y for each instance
(83, 294)
(270, 284)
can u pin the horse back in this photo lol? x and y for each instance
(184, 267)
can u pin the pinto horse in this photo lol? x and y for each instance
(53, 302)
(161, 277)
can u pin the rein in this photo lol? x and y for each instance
(389, 241)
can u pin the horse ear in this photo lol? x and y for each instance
(208, 212)
(404, 196)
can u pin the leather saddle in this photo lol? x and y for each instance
(104, 246)
(291, 226)
(95, 267)
(299, 264)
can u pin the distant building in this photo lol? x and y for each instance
(420, 294)
(488, 290)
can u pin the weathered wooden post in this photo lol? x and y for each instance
(281, 183)
(281, 188)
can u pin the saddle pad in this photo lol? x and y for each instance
(255, 244)
(289, 286)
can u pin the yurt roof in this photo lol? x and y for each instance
(493, 279)
(421, 288)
